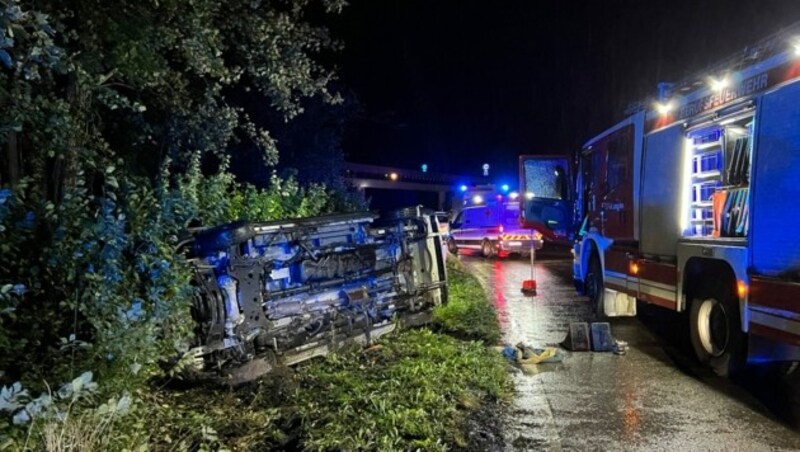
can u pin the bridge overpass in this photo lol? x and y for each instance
(393, 185)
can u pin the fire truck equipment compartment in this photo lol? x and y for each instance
(660, 203)
(776, 191)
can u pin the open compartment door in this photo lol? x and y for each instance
(546, 197)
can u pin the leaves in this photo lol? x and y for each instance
(120, 110)
(11, 397)
(5, 58)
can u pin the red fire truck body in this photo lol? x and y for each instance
(691, 206)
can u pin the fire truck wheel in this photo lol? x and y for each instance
(487, 248)
(789, 380)
(594, 286)
(452, 247)
(716, 333)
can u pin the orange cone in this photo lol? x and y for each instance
(529, 287)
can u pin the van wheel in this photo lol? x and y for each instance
(715, 330)
(452, 247)
(221, 238)
(594, 286)
(487, 248)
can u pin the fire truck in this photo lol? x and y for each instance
(691, 205)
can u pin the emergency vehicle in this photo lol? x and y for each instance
(693, 205)
(493, 229)
(547, 199)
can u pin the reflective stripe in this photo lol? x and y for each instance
(654, 288)
(619, 282)
(660, 290)
(762, 317)
(515, 237)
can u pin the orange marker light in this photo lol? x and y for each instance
(741, 289)
(634, 268)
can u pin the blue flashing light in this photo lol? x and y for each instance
(463, 188)
(505, 188)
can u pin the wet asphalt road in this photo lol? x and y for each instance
(653, 398)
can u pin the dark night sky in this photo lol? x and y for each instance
(457, 83)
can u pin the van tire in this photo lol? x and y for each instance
(221, 238)
(452, 247)
(715, 329)
(487, 248)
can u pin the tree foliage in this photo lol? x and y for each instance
(109, 112)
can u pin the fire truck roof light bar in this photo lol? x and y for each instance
(757, 52)
(665, 108)
(719, 84)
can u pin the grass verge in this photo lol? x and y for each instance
(469, 314)
(415, 390)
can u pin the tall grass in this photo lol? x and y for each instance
(413, 391)
(469, 314)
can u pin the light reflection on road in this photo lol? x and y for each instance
(631, 414)
(499, 281)
(601, 401)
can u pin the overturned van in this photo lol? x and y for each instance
(281, 292)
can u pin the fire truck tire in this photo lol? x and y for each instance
(594, 285)
(487, 248)
(789, 380)
(452, 247)
(715, 330)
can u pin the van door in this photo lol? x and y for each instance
(491, 224)
(481, 218)
(456, 227)
(546, 196)
(469, 228)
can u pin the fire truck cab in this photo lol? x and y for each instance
(691, 206)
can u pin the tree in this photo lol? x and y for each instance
(108, 110)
